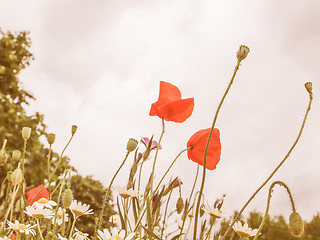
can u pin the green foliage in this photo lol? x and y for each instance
(15, 56)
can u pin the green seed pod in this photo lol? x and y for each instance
(308, 86)
(179, 205)
(16, 154)
(51, 137)
(9, 174)
(296, 225)
(16, 177)
(73, 129)
(67, 198)
(26, 132)
(132, 144)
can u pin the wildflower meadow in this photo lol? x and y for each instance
(140, 209)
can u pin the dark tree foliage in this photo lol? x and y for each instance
(15, 56)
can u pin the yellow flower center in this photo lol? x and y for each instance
(77, 212)
(215, 214)
(81, 233)
(38, 215)
(43, 200)
(20, 226)
(243, 234)
(125, 195)
(59, 214)
(117, 237)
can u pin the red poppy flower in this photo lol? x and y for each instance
(198, 141)
(170, 106)
(39, 192)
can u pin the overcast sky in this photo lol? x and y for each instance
(98, 65)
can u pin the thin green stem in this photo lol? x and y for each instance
(60, 157)
(275, 170)
(268, 204)
(206, 150)
(107, 195)
(175, 159)
(156, 155)
(72, 227)
(39, 230)
(165, 213)
(49, 175)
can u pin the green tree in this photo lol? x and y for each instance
(14, 57)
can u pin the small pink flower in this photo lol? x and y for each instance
(146, 143)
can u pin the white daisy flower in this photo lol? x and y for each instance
(115, 234)
(78, 209)
(214, 212)
(78, 235)
(44, 203)
(244, 230)
(22, 228)
(63, 238)
(123, 192)
(39, 212)
(61, 212)
(4, 238)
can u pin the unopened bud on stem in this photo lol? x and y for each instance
(242, 52)
(26, 132)
(296, 226)
(51, 138)
(308, 86)
(3, 154)
(73, 129)
(132, 144)
(16, 154)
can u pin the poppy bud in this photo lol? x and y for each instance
(51, 138)
(308, 86)
(16, 177)
(132, 144)
(26, 132)
(67, 198)
(73, 129)
(3, 154)
(179, 205)
(296, 226)
(242, 52)
(16, 154)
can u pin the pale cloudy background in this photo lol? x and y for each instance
(98, 65)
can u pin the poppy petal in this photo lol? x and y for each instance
(177, 111)
(39, 192)
(170, 106)
(198, 141)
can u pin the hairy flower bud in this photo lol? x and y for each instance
(26, 132)
(308, 86)
(73, 129)
(16, 154)
(16, 177)
(132, 144)
(296, 226)
(179, 205)
(67, 198)
(3, 154)
(242, 52)
(51, 137)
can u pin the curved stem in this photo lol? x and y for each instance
(275, 170)
(268, 204)
(107, 194)
(206, 150)
(38, 224)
